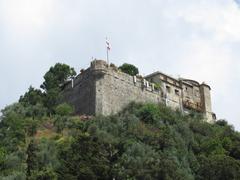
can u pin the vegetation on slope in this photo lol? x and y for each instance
(143, 141)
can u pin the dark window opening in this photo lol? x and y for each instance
(177, 92)
(168, 89)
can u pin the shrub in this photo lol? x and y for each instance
(64, 109)
(149, 113)
(129, 69)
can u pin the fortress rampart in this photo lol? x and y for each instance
(103, 89)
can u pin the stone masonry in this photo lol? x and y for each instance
(103, 89)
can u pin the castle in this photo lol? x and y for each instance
(103, 89)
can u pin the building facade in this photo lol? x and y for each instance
(103, 89)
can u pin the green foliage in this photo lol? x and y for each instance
(32, 164)
(62, 120)
(129, 69)
(54, 81)
(219, 167)
(13, 166)
(149, 113)
(16, 175)
(85, 159)
(12, 130)
(56, 76)
(143, 141)
(36, 111)
(33, 102)
(2, 156)
(30, 126)
(44, 174)
(32, 97)
(222, 123)
(64, 109)
(157, 86)
(44, 161)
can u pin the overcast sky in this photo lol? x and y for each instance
(196, 39)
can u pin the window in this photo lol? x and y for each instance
(177, 92)
(197, 94)
(168, 89)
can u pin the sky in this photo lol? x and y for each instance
(195, 39)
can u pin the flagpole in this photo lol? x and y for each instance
(107, 57)
(108, 49)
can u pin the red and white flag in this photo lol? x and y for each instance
(108, 45)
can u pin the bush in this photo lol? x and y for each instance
(222, 123)
(129, 69)
(149, 113)
(143, 141)
(64, 109)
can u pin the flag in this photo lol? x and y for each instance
(108, 45)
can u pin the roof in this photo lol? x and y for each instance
(189, 82)
(160, 73)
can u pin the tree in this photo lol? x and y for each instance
(221, 122)
(86, 158)
(32, 163)
(150, 113)
(12, 122)
(219, 167)
(56, 76)
(129, 69)
(45, 173)
(143, 141)
(2, 156)
(30, 126)
(32, 97)
(37, 110)
(64, 109)
(33, 102)
(53, 84)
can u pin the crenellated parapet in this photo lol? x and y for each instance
(99, 65)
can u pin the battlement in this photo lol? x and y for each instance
(104, 89)
(99, 65)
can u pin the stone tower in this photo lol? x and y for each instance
(206, 102)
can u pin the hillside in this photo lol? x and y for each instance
(144, 141)
(42, 139)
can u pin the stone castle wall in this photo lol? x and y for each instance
(81, 94)
(103, 89)
(115, 90)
